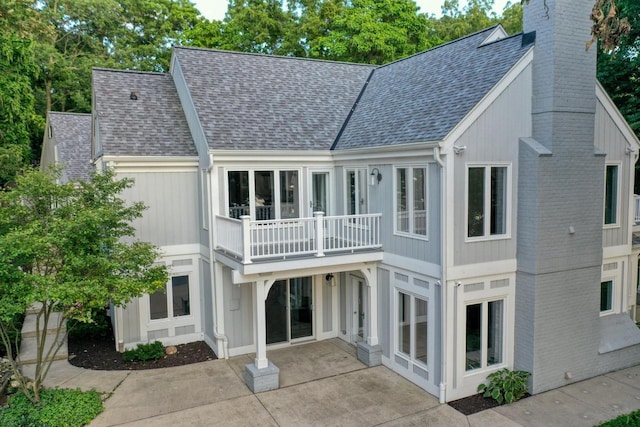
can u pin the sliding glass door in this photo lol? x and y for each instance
(289, 310)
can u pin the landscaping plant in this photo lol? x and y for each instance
(505, 385)
(67, 248)
(57, 407)
(143, 352)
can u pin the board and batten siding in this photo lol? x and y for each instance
(492, 139)
(131, 321)
(609, 139)
(238, 311)
(206, 300)
(171, 217)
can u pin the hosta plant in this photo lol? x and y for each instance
(505, 385)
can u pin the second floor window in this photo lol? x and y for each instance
(611, 195)
(264, 194)
(487, 201)
(411, 200)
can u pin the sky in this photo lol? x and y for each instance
(215, 9)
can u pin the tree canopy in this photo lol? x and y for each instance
(69, 248)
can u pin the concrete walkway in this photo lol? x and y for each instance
(322, 383)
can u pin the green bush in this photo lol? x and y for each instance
(505, 385)
(151, 351)
(101, 325)
(632, 419)
(57, 408)
(13, 330)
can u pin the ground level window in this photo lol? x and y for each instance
(178, 293)
(606, 296)
(412, 327)
(484, 334)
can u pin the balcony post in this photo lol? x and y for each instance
(319, 216)
(246, 239)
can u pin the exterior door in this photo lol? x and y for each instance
(319, 192)
(356, 191)
(289, 310)
(359, 310)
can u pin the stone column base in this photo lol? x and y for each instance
(259, 380)
(370, 355)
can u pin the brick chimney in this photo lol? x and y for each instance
(560, 202)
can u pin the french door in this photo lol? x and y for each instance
(289, 310)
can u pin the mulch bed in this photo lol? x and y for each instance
(476, 403)
(98, 352)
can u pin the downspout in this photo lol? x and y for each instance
(443, 282)
(217, 303)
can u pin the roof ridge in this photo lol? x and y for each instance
(67, 113)
(262, 55)
(115, 70)
(441, 45)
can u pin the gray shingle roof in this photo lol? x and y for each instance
(247, 101)
(152, 125)
(423, 97)
(72, 133)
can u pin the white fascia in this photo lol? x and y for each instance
(410, 150)
(151, 163)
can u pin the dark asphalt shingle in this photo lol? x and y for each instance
(72, 133)
(423, 97)
(247, 101)
(152, 125)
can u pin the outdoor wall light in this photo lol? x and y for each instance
(328, 277)
(375, 176)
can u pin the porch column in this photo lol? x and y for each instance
(260, 326)
(262, 375)
(370, 352)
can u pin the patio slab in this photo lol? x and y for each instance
(149, 393)
(361, 398)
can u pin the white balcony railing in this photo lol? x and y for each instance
(281, 238)
(636, 198)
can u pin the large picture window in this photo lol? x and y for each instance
(172, 301)
(264, 194)
(484, 334)
(411, 200)
(611, 195)
(487, 201)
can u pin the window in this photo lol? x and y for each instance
(606, 296)
(484, 334)
(176, 292)
(487, 201)
(264, 194)
(412, 328)
(611, 195)
(411, 200)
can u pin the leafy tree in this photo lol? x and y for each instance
(68, 248)
(18, 119)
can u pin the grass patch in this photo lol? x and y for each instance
(57, 408)
(632, 419)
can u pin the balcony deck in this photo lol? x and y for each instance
(244, 242)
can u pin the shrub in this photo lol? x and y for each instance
(505, 385)
(100, 325)
(57, 407)
(151, 351)
(632, 419)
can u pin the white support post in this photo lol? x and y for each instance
(372, 327)
(319, 233)
(246, 239)
(260, 326)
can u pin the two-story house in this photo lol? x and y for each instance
(452, 213)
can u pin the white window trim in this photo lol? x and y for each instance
(614, 295)
(488, 236)
(355, 169)
(204, 191)
(396, 324)
(484, 334)
(616, 224)
(252, 189)
(410, 233)
(169, 289)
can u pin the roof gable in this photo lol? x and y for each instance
(248, 101)
(139, 114)
(423, 97)
(72, 135)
